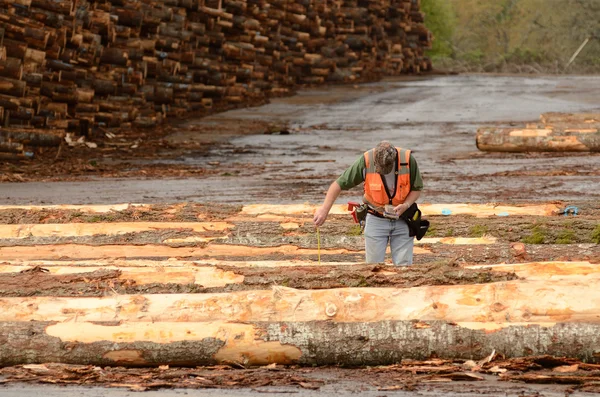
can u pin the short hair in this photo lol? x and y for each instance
(385, 157)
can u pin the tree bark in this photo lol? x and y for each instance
(34, 137)
(537, 140)
(262, 343)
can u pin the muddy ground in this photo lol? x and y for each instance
(288, 152)
(291, 149)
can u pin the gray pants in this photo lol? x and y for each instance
(380, 231)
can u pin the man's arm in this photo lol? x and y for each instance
(353, 176)
(332, 194)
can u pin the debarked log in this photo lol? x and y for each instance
(262, 343)
(21, 231)
(75, 251)
(536, 140)
(488, 307)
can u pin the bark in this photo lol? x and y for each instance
(261, 343)
(537, 140)
(74, 251)
(11, 147)
(90, 229)
(34, 137)
(12, 87)
(547, 270)
(12, 68)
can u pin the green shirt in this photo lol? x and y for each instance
(355, 174)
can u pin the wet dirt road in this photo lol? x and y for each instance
(330, 127)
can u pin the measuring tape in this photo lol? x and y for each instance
(319, 245)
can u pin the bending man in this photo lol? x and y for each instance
(391, 177)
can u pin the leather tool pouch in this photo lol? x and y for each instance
(417, 227)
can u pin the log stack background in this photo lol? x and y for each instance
(69, 66)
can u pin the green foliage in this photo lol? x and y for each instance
(432, 231)
(565, 237)
(537, 236)
(355, 230)
(441, 21)
(478, 230)
(596, 235)
(449, 232)
(493, 33)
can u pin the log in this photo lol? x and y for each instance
(489, 307)
(547, 270)
(350, 326)
(97, 209)
(304, 343)
(33, 137)
(4, 156)
(12, 87)
(527, 140)
(12, 68)
(11, 147)
(74, 251)
(21, 231)
(478, 210)
(204, 276)
(569, 118)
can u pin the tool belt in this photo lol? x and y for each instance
(417, 227)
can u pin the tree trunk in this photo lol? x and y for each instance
(33, 137)
(12, 68)
(488, 307)
(10, 147)
(73, 251)
(20, 231)
(537, 140)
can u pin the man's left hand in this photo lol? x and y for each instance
(401, 208)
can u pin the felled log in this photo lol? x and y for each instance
(285, 326)
(490, 306)
(89, 229)
(547, 270)
(203, 276)
(264, 211)
(11, 147)
(536, 140)
(12, 87)
(74, 251)
(33, 137)
(12, 68)
(569, 118)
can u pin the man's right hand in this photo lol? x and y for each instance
(320, 216)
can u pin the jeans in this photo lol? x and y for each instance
(380, 231)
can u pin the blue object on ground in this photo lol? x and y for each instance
(503, 214)
(446, 211)
(571, 209)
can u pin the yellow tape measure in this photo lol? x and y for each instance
(319, 245)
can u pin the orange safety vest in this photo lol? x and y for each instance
(376, 193)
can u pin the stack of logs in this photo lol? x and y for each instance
(69, 65)
(556, 132)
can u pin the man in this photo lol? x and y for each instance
(391, 177)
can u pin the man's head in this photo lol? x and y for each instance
(385, 157)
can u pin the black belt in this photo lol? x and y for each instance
(377, 214)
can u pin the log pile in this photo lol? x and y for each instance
(69, 66)
(243, 287)
(557, 132)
